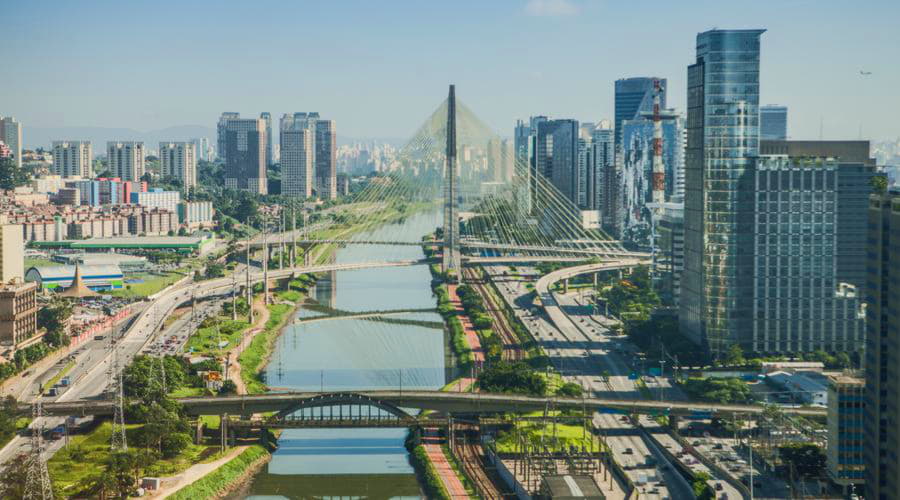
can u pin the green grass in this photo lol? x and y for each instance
(153, 283)
(253, 357)
(289, 295)
(60, 374)
(211, 421)
(566, 435)
(217, 482)
(206, 340)
(87, 453)
(189, 392)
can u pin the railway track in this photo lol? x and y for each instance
(512, 350)
(470, 456)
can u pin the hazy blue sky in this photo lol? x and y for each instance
(380, 67)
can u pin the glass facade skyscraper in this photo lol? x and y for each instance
(633, 97)
(722, 143)
(773, 122)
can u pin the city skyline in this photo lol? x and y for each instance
(808, 69)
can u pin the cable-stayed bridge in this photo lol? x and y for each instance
(494, 204)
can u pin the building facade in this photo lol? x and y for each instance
(179, 160)
(12, 253)
(882, 401)
(773, 122)
(73, 159)
(18, 313)
(722, 140)
(634, 97)
(245, 155)
(221, 132)
(196, 214)
(297, 161)
(846, 431)
(266, 117)
(799, 304)
(326, 160)
(669, 257)
(157, 198)
(11, 135)
(556, 156)
(126, 159)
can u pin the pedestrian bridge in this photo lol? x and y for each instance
(453, 403)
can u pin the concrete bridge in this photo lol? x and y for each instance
(392, 401)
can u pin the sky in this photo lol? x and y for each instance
(379, 68)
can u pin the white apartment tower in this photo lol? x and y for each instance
(73, 158)
(179, 160)
(11, 135)
(126, 159)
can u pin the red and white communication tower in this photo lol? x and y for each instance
(658, 180)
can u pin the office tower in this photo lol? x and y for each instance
(556, 154)
(221, 131)
(634, 97)
(603, 140)
(11, 135)
(773, 122)
(798, 303)
(297, 166)
(179, 160)
(326, 160)
(201, 147)
(854, 186)
(126, 159)
(882, 348)
(586, 173)
(73, 158)
(267, 117)
(636, 180)
(507, 160)
(722, 132)
(245, 155)
(494, 155)
(846, 431)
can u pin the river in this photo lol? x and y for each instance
(357, 354)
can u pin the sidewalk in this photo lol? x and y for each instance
(471, 335)
(448, 476)
(171, 485)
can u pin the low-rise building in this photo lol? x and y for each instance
(846, 431)
(803, 387)
(96, 277)
(196, 214)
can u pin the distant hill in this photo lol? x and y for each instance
(34, 137)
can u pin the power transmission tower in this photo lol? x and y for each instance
(162, 373)
(37, 482)
(117, 440)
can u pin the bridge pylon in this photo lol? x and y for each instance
(451, 261)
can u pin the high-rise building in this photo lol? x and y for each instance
(326, 160)
(126, 159)
(18, 313)
(634, 97)
(245, 155)
(603, 142)
(267, 117)
(798, 303)
(773, 122)
(179, 160)
(722, 142)
(201, 146)
(636, 137)
(221, 129)
(11, 135)
(73, 158)
(585, 181)
(846, 431)
(882, 400)
(297, 153)
(556, 155)
(157, 198)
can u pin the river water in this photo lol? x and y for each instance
(405, 350)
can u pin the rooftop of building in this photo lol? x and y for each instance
(845, 379)
(565, 486)
(130, 242)
(68, 272)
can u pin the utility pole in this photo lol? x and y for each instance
(266, 260)
(281, 241)
(306, 262)
(233, 297)
(249, 283)
(293, 234)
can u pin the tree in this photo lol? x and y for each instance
(228, 387)
(512, 377)
(735, 356)
(14, 474)
(8, 417)
(54, 318)
(11, 176)
(879, 184)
